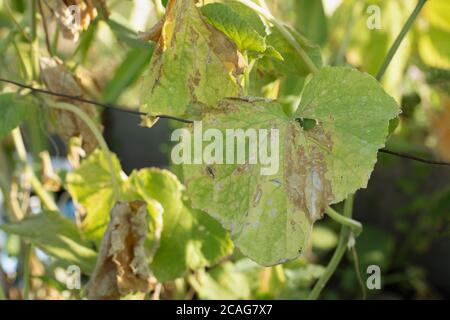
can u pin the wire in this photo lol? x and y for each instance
(96, 103)
(414, 158)
(130, 111)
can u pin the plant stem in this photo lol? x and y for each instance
(340, 57)
(354, 225)
(346, 228)
(26, 271)
(23, 67)
(400, 38)
(46, 33)
(358, 273)
(99, 137)
(2, 291)
(284, 31)
(37, 185)
(33, 35)
(15, 22)
(338, 253)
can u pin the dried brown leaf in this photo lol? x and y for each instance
(58, 78)
(122, 266)
(66, 12)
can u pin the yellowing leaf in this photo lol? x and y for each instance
(434, 48)
(190, 238)
(437, 13)
(193, 65)
(122, 266)
(91, 186)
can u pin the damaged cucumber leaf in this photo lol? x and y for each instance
(57, 236)
(193, 66)
(122, 266)
(270, 211)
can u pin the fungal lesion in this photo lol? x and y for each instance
(308, 189)
(211, 172)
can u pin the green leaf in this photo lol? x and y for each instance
(223, 282)
(13, 110)
(249, 15)
(233, 25)
(434, 48)
(437, 13)
(291, 63)
(91, 186)
(86, 40)
(56, 236)
(127, 36)
(127, 73)
(368, 49)
(190, 238)
(311, 20)
(270, 216)
(193, 66)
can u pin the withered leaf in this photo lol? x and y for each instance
(122, 266)
(74, 16)
(58, 78)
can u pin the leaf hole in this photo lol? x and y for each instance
(307, 124)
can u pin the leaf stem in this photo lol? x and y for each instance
(358, 273)
(46, 33)
(340, 57)
(36, 184)
(354, 225)
(99, 137)
(399, 39)
(338, 253)
(34, 50)
(284, 31)
(15, 22)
